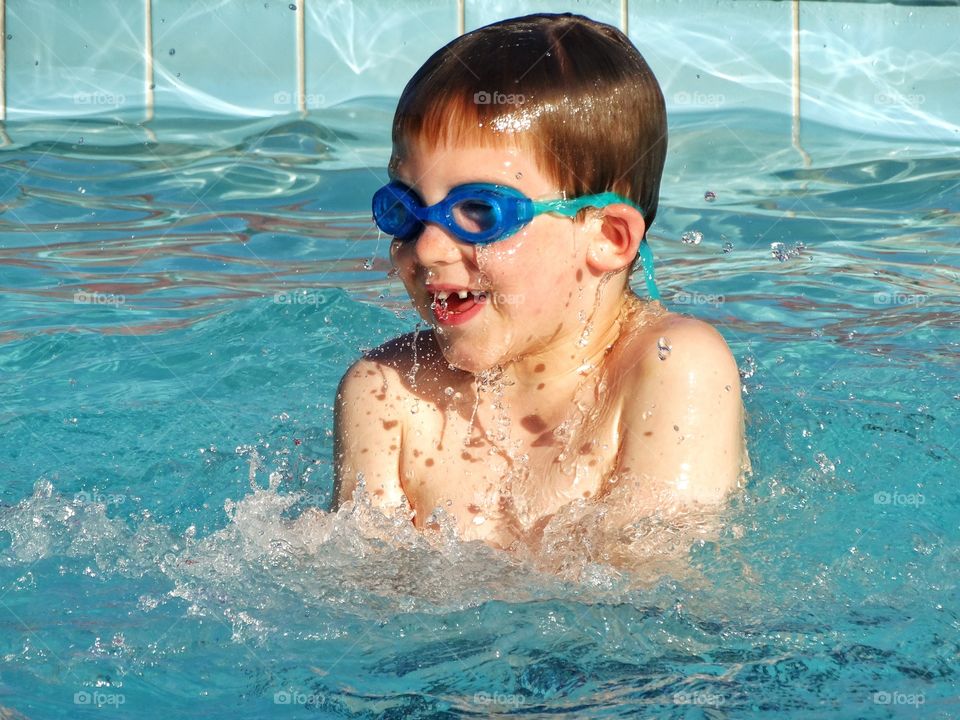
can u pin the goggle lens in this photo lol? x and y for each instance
(391, 213)
(475, 215)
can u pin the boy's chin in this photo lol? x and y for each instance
(473, 362)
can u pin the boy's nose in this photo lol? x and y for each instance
(436, 246)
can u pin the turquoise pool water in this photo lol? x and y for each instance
(179, 302)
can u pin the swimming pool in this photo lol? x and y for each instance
(179, 311)
(180, 299)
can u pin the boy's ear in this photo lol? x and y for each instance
(616, 246)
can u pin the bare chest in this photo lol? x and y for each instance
(498, 474)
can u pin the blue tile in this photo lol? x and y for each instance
(885, 69)
(68, 58)
(223, 57)
(357, 49)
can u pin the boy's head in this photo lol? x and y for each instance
(574, 93)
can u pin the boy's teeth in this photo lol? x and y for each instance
(462, 294)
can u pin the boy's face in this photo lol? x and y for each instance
(532, 280)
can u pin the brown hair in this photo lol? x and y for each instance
(575, 92)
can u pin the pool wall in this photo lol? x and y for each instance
(877, 67)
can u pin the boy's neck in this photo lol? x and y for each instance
(574, 355)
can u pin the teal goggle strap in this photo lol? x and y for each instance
(646, 257)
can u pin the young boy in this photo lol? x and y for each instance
(544, 380)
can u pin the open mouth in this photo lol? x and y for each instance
(450, 306)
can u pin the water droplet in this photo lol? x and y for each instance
(368, 264)
(448, 391)
(823, 461)
(292, 6)
(727, 246)
(518, 175)
(80, 141)
(663, 348)
(173, 51)
(782, 253)
(709, 196)
(691, 237)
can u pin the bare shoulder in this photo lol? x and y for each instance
(682, 414)
(373, 407)
(675, 346)
(391, 366)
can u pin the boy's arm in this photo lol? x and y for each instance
(685, 441)
(367, 435)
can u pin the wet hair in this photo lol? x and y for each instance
(574, 92)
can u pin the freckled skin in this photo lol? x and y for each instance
(498, 452)
(533, 424)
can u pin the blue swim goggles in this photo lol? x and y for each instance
(482, 213)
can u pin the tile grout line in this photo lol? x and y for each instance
(301, 56)
(3, 60)
(795, 80)
(461, 17)
(625, 17)
(148, 98)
